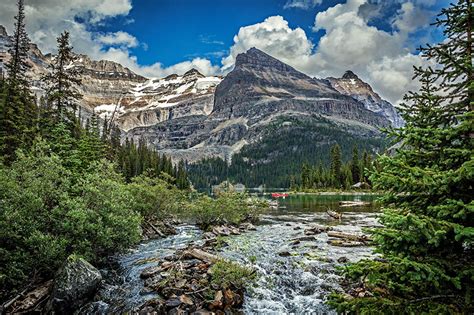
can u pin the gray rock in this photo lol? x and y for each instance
(75, 283)
(95, 308)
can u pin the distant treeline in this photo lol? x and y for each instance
(277, 159)
(338, 175)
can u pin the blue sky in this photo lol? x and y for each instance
(377, 39)
(175, 30)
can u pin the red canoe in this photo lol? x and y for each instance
(279, 195)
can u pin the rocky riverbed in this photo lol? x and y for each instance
(285, 264)
(294, 252)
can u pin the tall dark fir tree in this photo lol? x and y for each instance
(427, 242)
(62, 81)
(18, 109)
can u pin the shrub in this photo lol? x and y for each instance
(47, 212)
(155, 197)
(228, 207)
(226, 274)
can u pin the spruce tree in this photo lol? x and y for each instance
(305, 176)
(19, 111)
(62, 80)
(355, 166)
(17, 66)
(427, 242)
(336, 165)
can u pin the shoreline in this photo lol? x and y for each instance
(329, 193)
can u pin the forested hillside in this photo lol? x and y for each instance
(278, 157)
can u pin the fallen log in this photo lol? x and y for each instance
(334, 214)
(33, 298)
(353, 203)
(316, 229)
(202, 255)
(347, 236)
(342, 243)
(157, 231)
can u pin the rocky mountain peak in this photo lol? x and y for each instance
(350, 75)
(193, 73)
(350, 84)
(255, 58)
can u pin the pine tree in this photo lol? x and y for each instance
(91, 147)
(305, 176)
(355, 166)
(18, 63)
(336, 164)
(427, 241)
(62, 81)
(19, 111)
(182, 181)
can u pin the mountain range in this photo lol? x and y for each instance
(249, 116)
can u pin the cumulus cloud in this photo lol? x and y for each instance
(46, 19)
(302, 4)
(381, 58)
(118, 39)
(157, 70)
(410, 18)
(273, 36)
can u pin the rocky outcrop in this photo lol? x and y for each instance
(159, 100)
(74, 284)
(257, 93)
(350, 84)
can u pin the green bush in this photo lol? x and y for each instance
(228, 207)
(226, 274)
(47, 213)
(155, 197)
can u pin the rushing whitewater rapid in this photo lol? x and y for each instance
(296, 271)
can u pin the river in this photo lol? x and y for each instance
(295, 276)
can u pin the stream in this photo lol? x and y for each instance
(295, 276)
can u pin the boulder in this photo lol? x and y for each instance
(75, 283)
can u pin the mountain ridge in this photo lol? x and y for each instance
(191, 116)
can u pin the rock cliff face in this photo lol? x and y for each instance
(159, 100)
(260, 91)
(191, 116)
(350, 84)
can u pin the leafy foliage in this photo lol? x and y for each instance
(48, 212)
(228, 207)
(227, 274)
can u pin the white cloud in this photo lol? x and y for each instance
(273, 36)
(157, 70)
(411, 18)
(46, 19)
(118, 39)
(302, 4)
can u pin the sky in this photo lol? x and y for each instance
(377, 39)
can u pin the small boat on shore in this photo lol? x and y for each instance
(279, 195)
